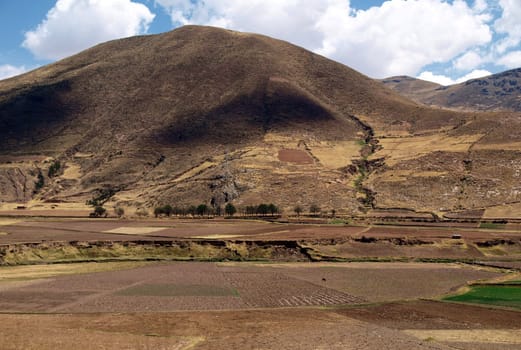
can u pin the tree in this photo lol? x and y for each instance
(298, 210)
(251, 209)
(168, 210)
(202, 209)
(192, 210)
(273, 209)
(98, 212)
(230, 209)
(314, 209)
(164, 210)
(262, 209)
(158, 211)
(333, 213)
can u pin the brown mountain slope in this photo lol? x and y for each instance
(498, 92)
(412, 88)
(202, 114)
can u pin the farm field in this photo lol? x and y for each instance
(185, 305)
(76, 240)
(507, 294)
(179, 286)
(38, 229)
(294, 298)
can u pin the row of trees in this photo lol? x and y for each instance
(314, 210)
(202, 210)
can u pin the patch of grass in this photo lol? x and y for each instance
(500, 295)
(491, 225)
(338, 222)
(174, 290)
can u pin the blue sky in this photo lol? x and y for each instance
(446, 41)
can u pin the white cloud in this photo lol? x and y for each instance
(469, 60)
(509, 24)
(511, 60)
(480, 6)
(292, 20)
(74, 25)
(444, 80)
(399, 37)
(8, 71)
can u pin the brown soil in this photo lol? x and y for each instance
(153, 288)
(295, 156)
(145, 297)
(435, 315)
(252, 329)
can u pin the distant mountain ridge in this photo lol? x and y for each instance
(497, 92)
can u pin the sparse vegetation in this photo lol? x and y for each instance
(40, 182)
(119, 212)
(103, 195)
(54, 169)
(141, 212)
(298, 210)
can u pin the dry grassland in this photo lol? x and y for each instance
(194, 171)
(511, 146)
(335, 154)
(33, 272)
(503, 211)
(482, 336)
(404, 175)
(72, 171)
(405, 148)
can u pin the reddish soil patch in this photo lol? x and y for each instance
(295, 156)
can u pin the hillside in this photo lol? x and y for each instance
(498, 92)
(202, 114)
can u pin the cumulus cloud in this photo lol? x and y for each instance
(74, 25)
(509, 24)
(8, 71)
(292, 20)
(511, 60)
(445, 80)
(469, 60)
(399, 37)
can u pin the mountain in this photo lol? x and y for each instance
(202, 114)
(498, 92)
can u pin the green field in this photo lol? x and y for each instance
(508, 295)
(491, 226)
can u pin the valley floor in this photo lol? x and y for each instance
(384, 295)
